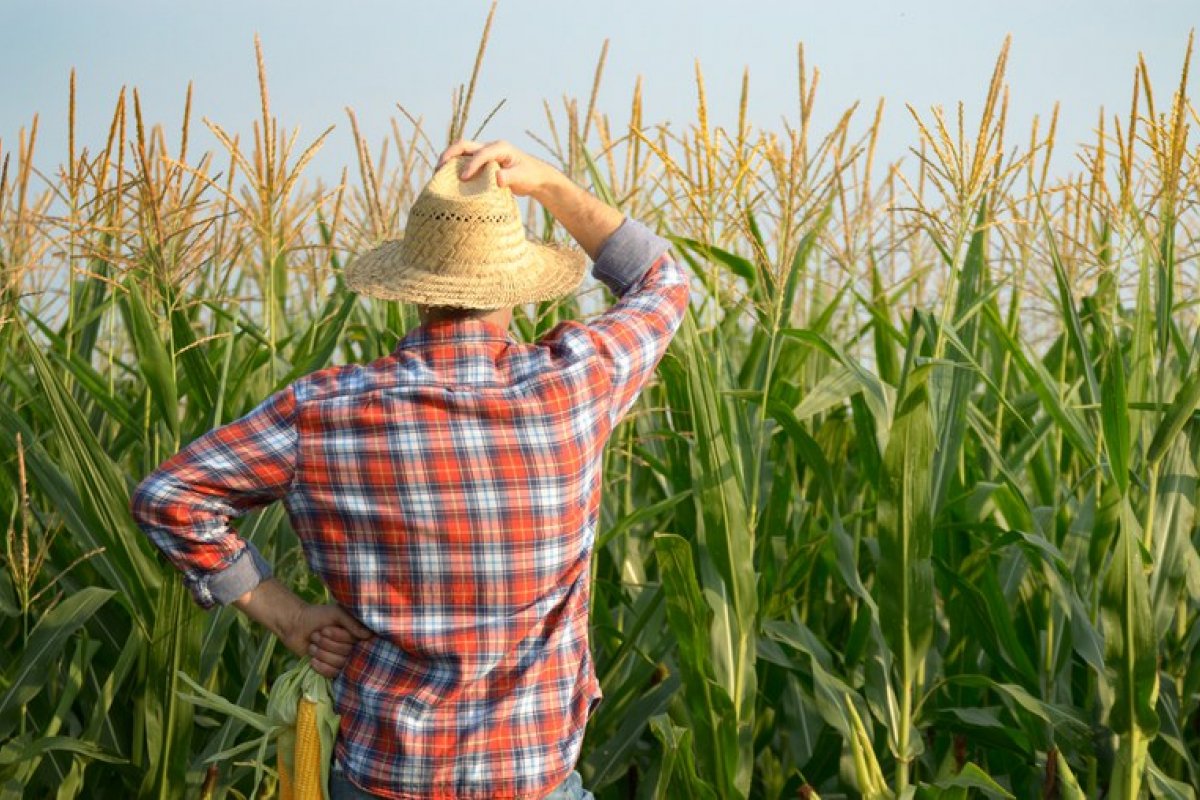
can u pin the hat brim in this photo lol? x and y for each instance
(547, 271)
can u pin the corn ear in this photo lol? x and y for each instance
(307, 760)
(300, 708)
(866, 767)
(286, 792)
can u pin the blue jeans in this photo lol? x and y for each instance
(340, 788)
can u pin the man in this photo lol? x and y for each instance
(447, 495)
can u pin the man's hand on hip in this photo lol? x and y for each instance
(327, 633)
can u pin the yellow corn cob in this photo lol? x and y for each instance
(300, 709)
(285, 782)
(306, 783)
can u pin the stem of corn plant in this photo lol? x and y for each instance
(761, 427)
(1151, 502)
(903, 760)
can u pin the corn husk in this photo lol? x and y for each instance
(297, 685)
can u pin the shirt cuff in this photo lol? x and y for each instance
(239, 577)
(627, 254)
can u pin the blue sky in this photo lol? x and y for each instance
(322, 57)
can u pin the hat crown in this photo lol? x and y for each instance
(461, 227)
(448, 183)
(464, 246)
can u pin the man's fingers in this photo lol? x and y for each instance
(500, 152)
(330, 645)
(335, 632)
(321, 668)
(351, 624)
(459, 148)
(327, 658)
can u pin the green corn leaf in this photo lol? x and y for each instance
(833, 390)
(322, 337)
(85, 376)
(971, 777)
(206, 699)
(1043, 384)
(883, 332)
(202, 380)
(611, 759)
(1070, 314)
(599, 185)
(101, 720)
(1068, 785)
(153, 358)
(982, 609)
(1114, 415)
(950, 406)
(26, 748)
(98, 489)
(1131, 653)
(739, 266)
(905, 571)
(90, 298)
(256, 663)
(1163, 786)
(727, 540)
(639, 516)
(710, 707)
(1187, 399)
(1171, 541)
(678, 775)
(799, 267)
(875, 394)
(174, 648)
(89, 492)
(25, 679)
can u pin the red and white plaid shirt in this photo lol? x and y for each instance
(448, 496)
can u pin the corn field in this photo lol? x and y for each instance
(908, 512)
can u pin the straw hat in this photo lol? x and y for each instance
(464, 246)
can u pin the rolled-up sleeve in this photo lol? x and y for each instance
(632, 335)
(185, 506)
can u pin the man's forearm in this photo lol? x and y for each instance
(272, 605)
(589, 220)
(326, 633)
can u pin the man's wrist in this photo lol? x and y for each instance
(555, 190)
(272, 605)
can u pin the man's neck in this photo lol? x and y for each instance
(501, 317)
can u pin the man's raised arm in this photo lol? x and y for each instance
(635, 264)
(185, 507)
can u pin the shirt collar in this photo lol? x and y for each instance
(454, 331)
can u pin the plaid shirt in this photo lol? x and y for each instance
(447, 495)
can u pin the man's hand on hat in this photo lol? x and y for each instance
(523, 174)
(589, 220)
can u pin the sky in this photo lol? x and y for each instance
(322, 57)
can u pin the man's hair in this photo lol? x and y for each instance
(456, 311)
